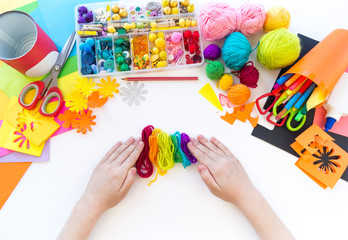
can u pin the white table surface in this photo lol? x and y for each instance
(179, 205)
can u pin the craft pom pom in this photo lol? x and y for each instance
(278, 48)
(212, 52)
(218, 20)
(277, 17)
(236, 51)
(225, 81)
(214, 70)
(248, 75)
(238, 94)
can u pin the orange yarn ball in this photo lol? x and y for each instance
(238, 94)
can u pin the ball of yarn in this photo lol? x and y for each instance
(225, 81)
(212, 52)
(217, 19)
(238, 94)
(214, 70)
(248, 75)
(236, 51)
(276, 17)
(278, 48)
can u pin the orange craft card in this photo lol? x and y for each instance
(31, 123)
(10, 175)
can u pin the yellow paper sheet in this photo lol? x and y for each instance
(4, 102)
(209, 94)
(13, 4)
(35, 127)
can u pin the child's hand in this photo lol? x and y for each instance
(220, 170)
(113, 176)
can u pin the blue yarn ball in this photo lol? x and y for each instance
(236, 51)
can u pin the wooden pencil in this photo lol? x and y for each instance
(160, 78)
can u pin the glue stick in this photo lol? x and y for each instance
(337, 104)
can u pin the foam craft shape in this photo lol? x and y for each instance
(253, 121)
(326, 161)
(76, 102)
(35, 127)
(208, 93)
(10, 175)
(340, 127)
(225, 101)
(228, 118)
(21, 157)
(5, 101)
(243, 112)
(86, 86)
(95, 100)
(326, 62)
(84, 121)
(108, 87)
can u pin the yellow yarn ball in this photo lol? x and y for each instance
(225, 81)
(238, 94)
(276, 17)
(278, 48)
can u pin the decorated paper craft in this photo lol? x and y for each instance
(68, 118)
(95, 100)
(108, 87)
(76, 102)
(133, 93)
(21, 157)
(225, 101)
(340, 127)
(84, 122)
(208, 93)
(85, 86)
(10, 175)
(242, 113)
(320, 158)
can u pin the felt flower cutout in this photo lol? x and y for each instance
(326, 160)
(21, 139)
(133, 93)
(107, 88)
(68, 118)
(76, 102)
(95, 100)
(85, 86)
(28, 119)
(84, 122)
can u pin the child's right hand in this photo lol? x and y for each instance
(221, 171)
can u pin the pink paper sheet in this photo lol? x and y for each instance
(340, 127)
(22, 157)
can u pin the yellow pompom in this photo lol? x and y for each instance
(165, 3)
(175, 10)
(226, 81)
(160, 35)
(163, 55)
(238, 94)
(152, 37)
(159, 43)
(155, 50)
(161, 64)
(133, 25)
(188, 23)
(111, 29)
(182, 22)
(276, 17)
(153, 24)
(191, 7)
(126, 26)
(194, 23)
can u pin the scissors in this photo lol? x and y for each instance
(47, 89)
(276, 93)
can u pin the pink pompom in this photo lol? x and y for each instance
(218, 20)
(176, 37)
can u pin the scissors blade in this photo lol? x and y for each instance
(66, 50)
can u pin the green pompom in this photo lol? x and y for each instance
(125, 67)
(215, 70)
(120, 60)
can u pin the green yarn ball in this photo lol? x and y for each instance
(278, 49)
(214, 70)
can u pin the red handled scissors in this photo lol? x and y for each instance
(47, 89)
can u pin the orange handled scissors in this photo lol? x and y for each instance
(47, 89)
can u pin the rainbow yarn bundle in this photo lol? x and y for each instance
(163, 150)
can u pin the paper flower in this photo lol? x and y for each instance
(68, 118)
(95, 100)
(28, 118)
(133, 93)
(108, 88)
(85, 86)
(21, 139)
(76, 102)
(84, 122)
(326, 160)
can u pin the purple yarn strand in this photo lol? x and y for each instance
(185, 139)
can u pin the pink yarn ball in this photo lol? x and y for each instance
(218, 20)
(176, 37)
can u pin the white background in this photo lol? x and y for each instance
(179, 205)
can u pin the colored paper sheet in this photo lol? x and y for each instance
(228, 118)
(22, 157)
(14, 4)
(10, 175)
(61, 129)
(340, 127)
(35, 127)
(28, 8)
(3, 151)
(4, 100)
(321, 159)
(208, 93)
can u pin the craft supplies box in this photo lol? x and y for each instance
(116, 43)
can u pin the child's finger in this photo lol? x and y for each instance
(126, 153)
(221, 146)
(201, 157)
(128, 181)
(209, 145)
(208, 179)
(133, 157)
(111, 150)
(120, 149)
(212, 155)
